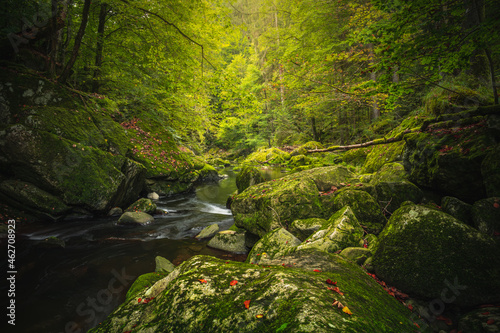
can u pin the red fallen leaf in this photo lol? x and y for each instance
(337, 290)
(410, 307)
(247, 304)
(486, 306)
(496, 205)
(496, 233)
(139, 300)
(485, 313)
(331, 282)
(232, 283)
(316, 270)
(202, 281)
(490, 322)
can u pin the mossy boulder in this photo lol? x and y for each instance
(341, 231)
(299, 160)
(486, 216)
(142, 205)
(449, 160)
(144, 281)
(230, 242)
(364, 207)
(428, 253)
(357, 255)
(247, 177)
(135, 218)
(355, 157)
(268, 156)
(382, 154)
(275, 243)
(458, 209)
(277, 203)
(326, 177)
(303, 228)
(280, 299)
(209, 231)
(390, 187)
(303, 150)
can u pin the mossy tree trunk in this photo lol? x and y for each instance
(99, 47)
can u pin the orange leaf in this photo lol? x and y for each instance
(232, 283)
(317, 270)
(139, 300)
(259, 316)
(496, 205)
(247, 304)
(337, 290)
(346, 310)
(202, 281)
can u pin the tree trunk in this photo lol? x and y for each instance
(314, 130)
(99, 47)
(78, 41)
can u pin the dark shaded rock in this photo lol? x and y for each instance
(135, 218)
(247, 177)
(458, 209)
(486, 216)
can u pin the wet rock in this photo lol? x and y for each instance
(209, 231)
(486, 319)
(135, 218)
(229, 242)
(153, 196)
(304, 228)
(115, 211)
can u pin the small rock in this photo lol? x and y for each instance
(229, 242)
(356, 254)
(163, 265)
(115, 211)
(153, 196)
(135, 218)
(209, 231)
(53, 242)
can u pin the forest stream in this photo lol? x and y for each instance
(72, 289)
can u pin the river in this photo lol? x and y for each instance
(72, 289)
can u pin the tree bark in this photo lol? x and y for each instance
(78, 41)
(99, 47)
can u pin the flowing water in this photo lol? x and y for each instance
(72, 289)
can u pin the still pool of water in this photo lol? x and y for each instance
(74, 288)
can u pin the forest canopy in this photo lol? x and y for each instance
(243, 74)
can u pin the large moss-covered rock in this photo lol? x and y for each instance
(302, 150)
(391, 188)
(483, 320)
(356, 254)
(276, 243)
(326, 177)
(273, 204)
(247, 177)
(341, 231)
(163, 265)
(382, 154)
(364, 207)
(81, 150)
(209, 231)
(355, 157)
(428, 253)
(449, 159)
(279, 300)
(270, 156)
(486, 216)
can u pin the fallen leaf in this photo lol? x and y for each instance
(202, 281)
(337, 290)
(331, 282)
(445, 319)
(259, 316)
(139, 300)
(316, 270)
(232, 283)
(485, 313)
(490, 322)
(346, 310)
(496, 205)
(247, 304)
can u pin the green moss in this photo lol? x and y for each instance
(269, 156)
(422, 251)
(293, 299)
(248, 176)
(142, 205)
(142, 282)
(382, 154)
(356, 157)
